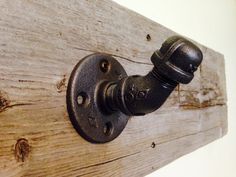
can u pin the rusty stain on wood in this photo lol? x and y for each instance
(204, 98)
(199, 106)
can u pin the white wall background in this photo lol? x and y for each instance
(212, 23)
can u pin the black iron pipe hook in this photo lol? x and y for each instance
(101, 97)
(174, 63)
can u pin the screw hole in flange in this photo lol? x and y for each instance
(82, 99)
(104, 66)
(108, 129)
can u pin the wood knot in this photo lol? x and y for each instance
(4, 102)
(22, 150)
(61, 85)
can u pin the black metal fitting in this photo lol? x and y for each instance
(174, 63)
(108, 96)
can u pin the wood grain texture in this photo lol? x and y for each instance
(40, 43)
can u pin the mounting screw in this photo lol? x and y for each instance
(104, 65)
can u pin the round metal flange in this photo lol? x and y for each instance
(86, 115)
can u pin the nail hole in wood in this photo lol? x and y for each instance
(148, 37)
(153, 145)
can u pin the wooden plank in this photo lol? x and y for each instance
(40, 43)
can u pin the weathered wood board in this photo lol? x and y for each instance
(41, 41)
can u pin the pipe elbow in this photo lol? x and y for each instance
(174, 63)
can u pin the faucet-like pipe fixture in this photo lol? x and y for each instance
(101, 97)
